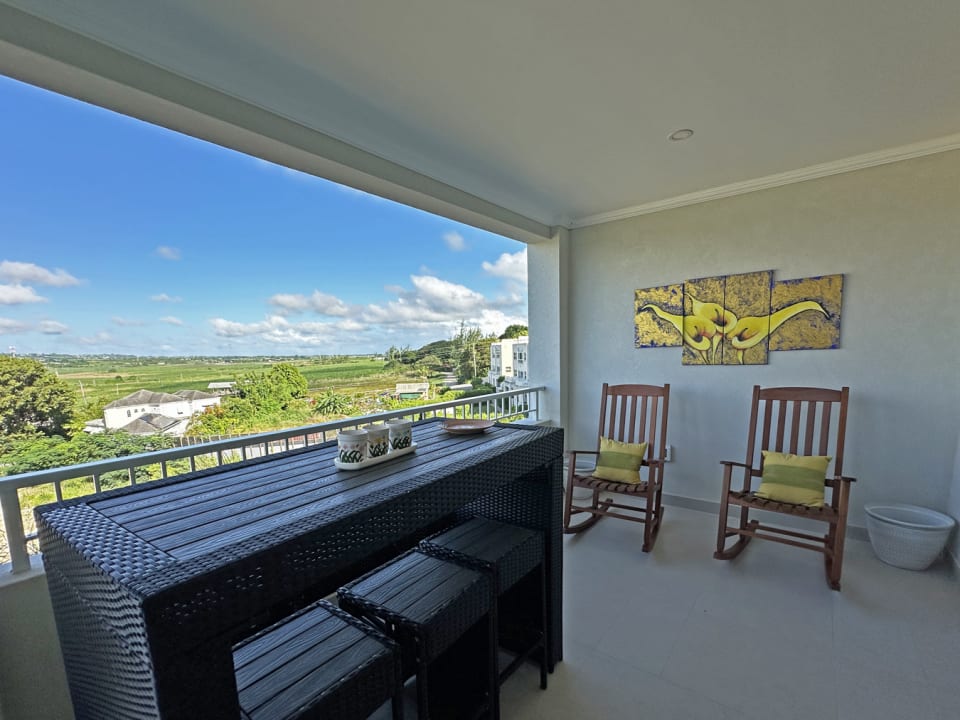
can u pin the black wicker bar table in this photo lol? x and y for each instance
(152, 586)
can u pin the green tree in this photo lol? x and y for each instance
(274, 390)
(33, 397)
(471, 352)
(514, 331)
(288, 383)
(50, 452)
(331, 403)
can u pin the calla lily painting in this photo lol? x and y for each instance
(738, 319)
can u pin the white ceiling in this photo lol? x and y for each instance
(559, 110)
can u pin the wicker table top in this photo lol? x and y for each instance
(171, 569)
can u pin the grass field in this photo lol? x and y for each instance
(104, 380)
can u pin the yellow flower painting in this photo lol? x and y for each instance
(658, 316)
(818, 330)
(738, 319)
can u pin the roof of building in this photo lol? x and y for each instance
(149, 424)
(413, 387)
(144, 397)
(195, 395)
(220, 385)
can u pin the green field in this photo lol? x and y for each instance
(104, 380)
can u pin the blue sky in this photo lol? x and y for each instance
(117, 236)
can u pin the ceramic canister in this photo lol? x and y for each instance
(352, 446)
(401, 433)
(378, 439)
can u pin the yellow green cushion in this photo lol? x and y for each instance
(619, 461)
(796, 479)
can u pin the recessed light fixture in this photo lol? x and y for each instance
(683, 134)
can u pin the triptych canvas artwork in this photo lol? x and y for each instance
(739, 319)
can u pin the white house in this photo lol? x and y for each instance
(508, 360)
(145, 412)
(520, 373)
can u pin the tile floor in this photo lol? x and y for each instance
(677, 635)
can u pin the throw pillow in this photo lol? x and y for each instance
(796, 479)
(619, 461)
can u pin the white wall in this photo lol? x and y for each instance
(953, 506)
(893, 231)
(548, 289)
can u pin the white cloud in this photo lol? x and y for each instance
(455, 241)
(171, 320)
(432, 302)
(319, 302)
(52, 327)
(428, 308)
(11, 326)
(509, 266)
(100, 338)
(126, 322)
(21, 272)
(276, 329)
(19, 295)
(163, 297)
(167, 252)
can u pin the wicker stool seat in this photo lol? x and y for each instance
(439, 613)
(319, 663)
(510, 554)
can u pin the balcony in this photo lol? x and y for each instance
(843, 159)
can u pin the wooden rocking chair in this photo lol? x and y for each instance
(795, 420)
(628, 414)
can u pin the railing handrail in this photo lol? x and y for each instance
(98, 467)
(10, 484)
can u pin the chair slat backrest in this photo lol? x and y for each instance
(798, 420)
(635, 413)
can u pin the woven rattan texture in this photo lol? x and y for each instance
(534, 501)
(173, 618)
(439, 623)
(508, 551)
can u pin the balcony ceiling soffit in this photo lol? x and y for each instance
(560, 111)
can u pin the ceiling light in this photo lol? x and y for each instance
(683, 134)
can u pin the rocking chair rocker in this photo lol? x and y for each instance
(799, 426)
(630, 414)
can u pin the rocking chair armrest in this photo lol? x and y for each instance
(844, 478)
(732, 463)
(573, 453)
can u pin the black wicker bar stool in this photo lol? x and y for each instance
(439, 613)
(510, 554)
(318, 664)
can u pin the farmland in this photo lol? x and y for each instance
(100, 380)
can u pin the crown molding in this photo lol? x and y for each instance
(812, 172)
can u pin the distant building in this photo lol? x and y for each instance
(413, 391)
(221, 388)
(508, 360)
(145, 412)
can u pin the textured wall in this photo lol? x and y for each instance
(893, 230)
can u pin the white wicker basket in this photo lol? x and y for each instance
(907, 536)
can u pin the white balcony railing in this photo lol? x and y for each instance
(521, 403)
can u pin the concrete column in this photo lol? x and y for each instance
(547, 278)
